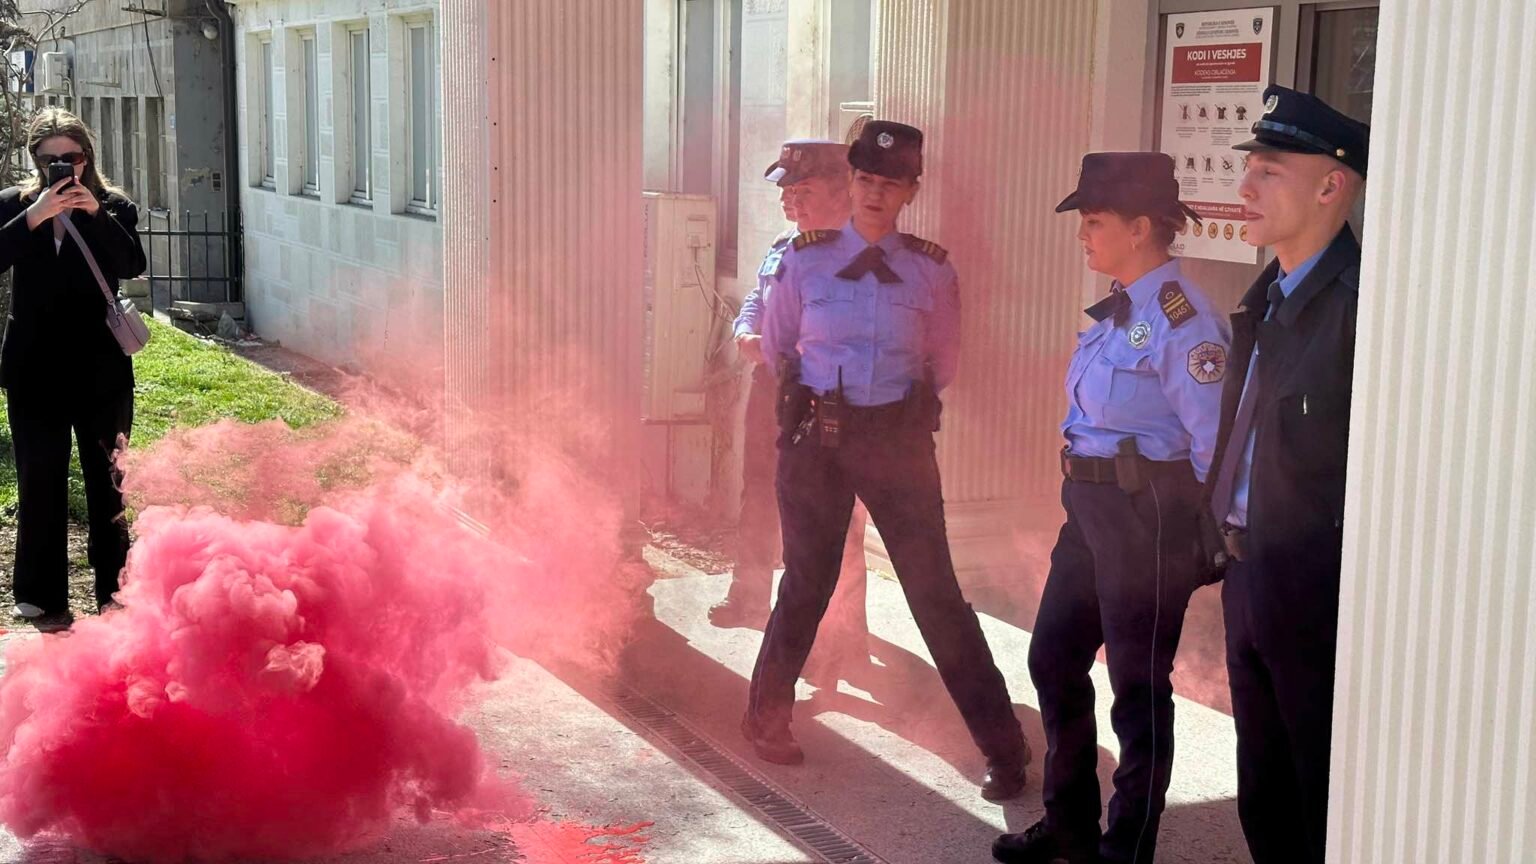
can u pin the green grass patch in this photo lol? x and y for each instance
(182, 381)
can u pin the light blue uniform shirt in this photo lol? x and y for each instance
(1289, 282)
(1148, 379)
(879, 335)
(749, 320)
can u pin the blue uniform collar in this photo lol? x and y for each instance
(1145, 287)
(890, 242)
(1289, 282)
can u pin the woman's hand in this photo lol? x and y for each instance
(56, 199)
(81, 198)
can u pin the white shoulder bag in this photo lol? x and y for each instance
(123, 317)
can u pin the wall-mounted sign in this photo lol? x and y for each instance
(1215, 70)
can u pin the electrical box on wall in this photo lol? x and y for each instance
(52, 72)
(679, 298)
(681, 308)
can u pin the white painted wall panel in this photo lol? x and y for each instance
(1434, 741)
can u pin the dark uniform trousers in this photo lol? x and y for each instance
(1281, 676)
(1122, 573)
(894, 472)
(41, 420)
(757, 536)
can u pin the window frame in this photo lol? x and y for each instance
(428, 205)
(266, 127)
(361, 118)
(308, 41)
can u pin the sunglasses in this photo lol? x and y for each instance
(75, 158)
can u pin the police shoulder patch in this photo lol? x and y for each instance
(1176, 306)
(1208, 363)
(926, 247)
(811, 238)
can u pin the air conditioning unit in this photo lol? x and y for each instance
(680, 308)
(852, 116)
(52, 72)
(16, 76)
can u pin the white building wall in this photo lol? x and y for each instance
(353, 284)
(1434, 741)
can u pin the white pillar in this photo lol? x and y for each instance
(1434, 743)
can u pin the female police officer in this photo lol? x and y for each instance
(1143, 396)
(872, 317)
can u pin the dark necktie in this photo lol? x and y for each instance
(1242, 426)
(1118, 304)
(871, 259)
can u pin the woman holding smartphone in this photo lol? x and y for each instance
(62, 369)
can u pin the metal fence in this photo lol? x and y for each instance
(190, 258)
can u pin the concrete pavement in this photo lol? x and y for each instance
(889, 763)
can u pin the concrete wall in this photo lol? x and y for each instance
(348, 283)
(165, 75)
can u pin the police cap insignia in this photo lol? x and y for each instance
(811, 238)
(1271, 103)
(1176, 305)
(926, 247)
(1208, 363)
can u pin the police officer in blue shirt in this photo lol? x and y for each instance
(1143, 393)
(813, 178)
(1278, 489)
(865, 322)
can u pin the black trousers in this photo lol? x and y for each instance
(1280, 662)
(758, 535)
(1121, 576)
(895, 474)
(41, 421)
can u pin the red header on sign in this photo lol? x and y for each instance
(1214, 64)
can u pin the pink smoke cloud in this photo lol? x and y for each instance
(304, 616)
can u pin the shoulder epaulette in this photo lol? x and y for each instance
(1175, 304)
(783, 239)
(811, 238)
(927, 247)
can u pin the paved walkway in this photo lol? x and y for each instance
(889, 763)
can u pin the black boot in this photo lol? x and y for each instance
(1038, 844)
(772, 745)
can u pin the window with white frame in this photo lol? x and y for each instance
(267, 126)
(362, 115)
(421, 116)
(309, 158)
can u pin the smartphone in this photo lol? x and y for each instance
(58, 171)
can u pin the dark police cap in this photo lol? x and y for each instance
(889, 149)
(1132, 184)
(804, 158)
(1296, 122)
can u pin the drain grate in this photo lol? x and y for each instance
(814, 833)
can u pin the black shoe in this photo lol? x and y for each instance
(54, 622)
(1038, 844)
(777, 746)
(1004, 781)
(731, 612)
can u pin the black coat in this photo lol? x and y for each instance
(1306, 363)
(56, 334)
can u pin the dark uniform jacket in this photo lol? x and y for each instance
(1296, 491)
(56, 335)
